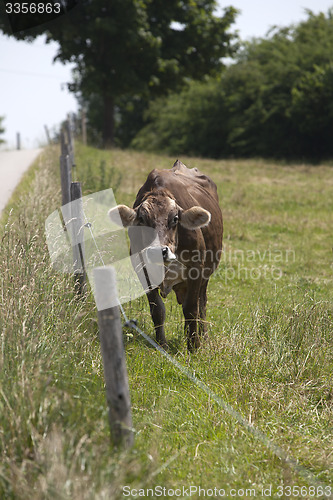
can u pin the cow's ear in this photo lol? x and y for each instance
(122, 215)
(195, 217)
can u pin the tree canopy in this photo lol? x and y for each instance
(276, 100)
(128, 50)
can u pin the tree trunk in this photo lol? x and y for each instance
(108, 121)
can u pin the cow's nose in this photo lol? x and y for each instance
(165, 252)
(167, 255)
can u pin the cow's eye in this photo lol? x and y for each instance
(175, 219)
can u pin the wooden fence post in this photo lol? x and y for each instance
(47, 134)
(77, 231)
(62, 143)
(84, 126)
(65, 176)
(70, 140)
(115, 372)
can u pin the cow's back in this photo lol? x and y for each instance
(188, 186)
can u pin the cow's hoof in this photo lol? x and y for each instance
(193, 344)
(164, 345)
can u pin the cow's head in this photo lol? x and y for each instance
(160, 211)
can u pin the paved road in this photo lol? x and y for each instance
(13, 164)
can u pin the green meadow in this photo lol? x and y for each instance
(268, 354)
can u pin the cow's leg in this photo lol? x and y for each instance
(190, 311)
(191, 314)
(202, 308)
(157, 311)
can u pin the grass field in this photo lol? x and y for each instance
(269, 350)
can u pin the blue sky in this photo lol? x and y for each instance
(257, 16)
(32, 87)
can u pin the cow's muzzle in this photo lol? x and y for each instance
(159, 255)
(168, 256)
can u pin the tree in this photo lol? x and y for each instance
(128, 48)
(2, 130)
(193, 121)
(312, 110)
(274, 101)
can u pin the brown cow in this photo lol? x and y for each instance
(182, 206)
